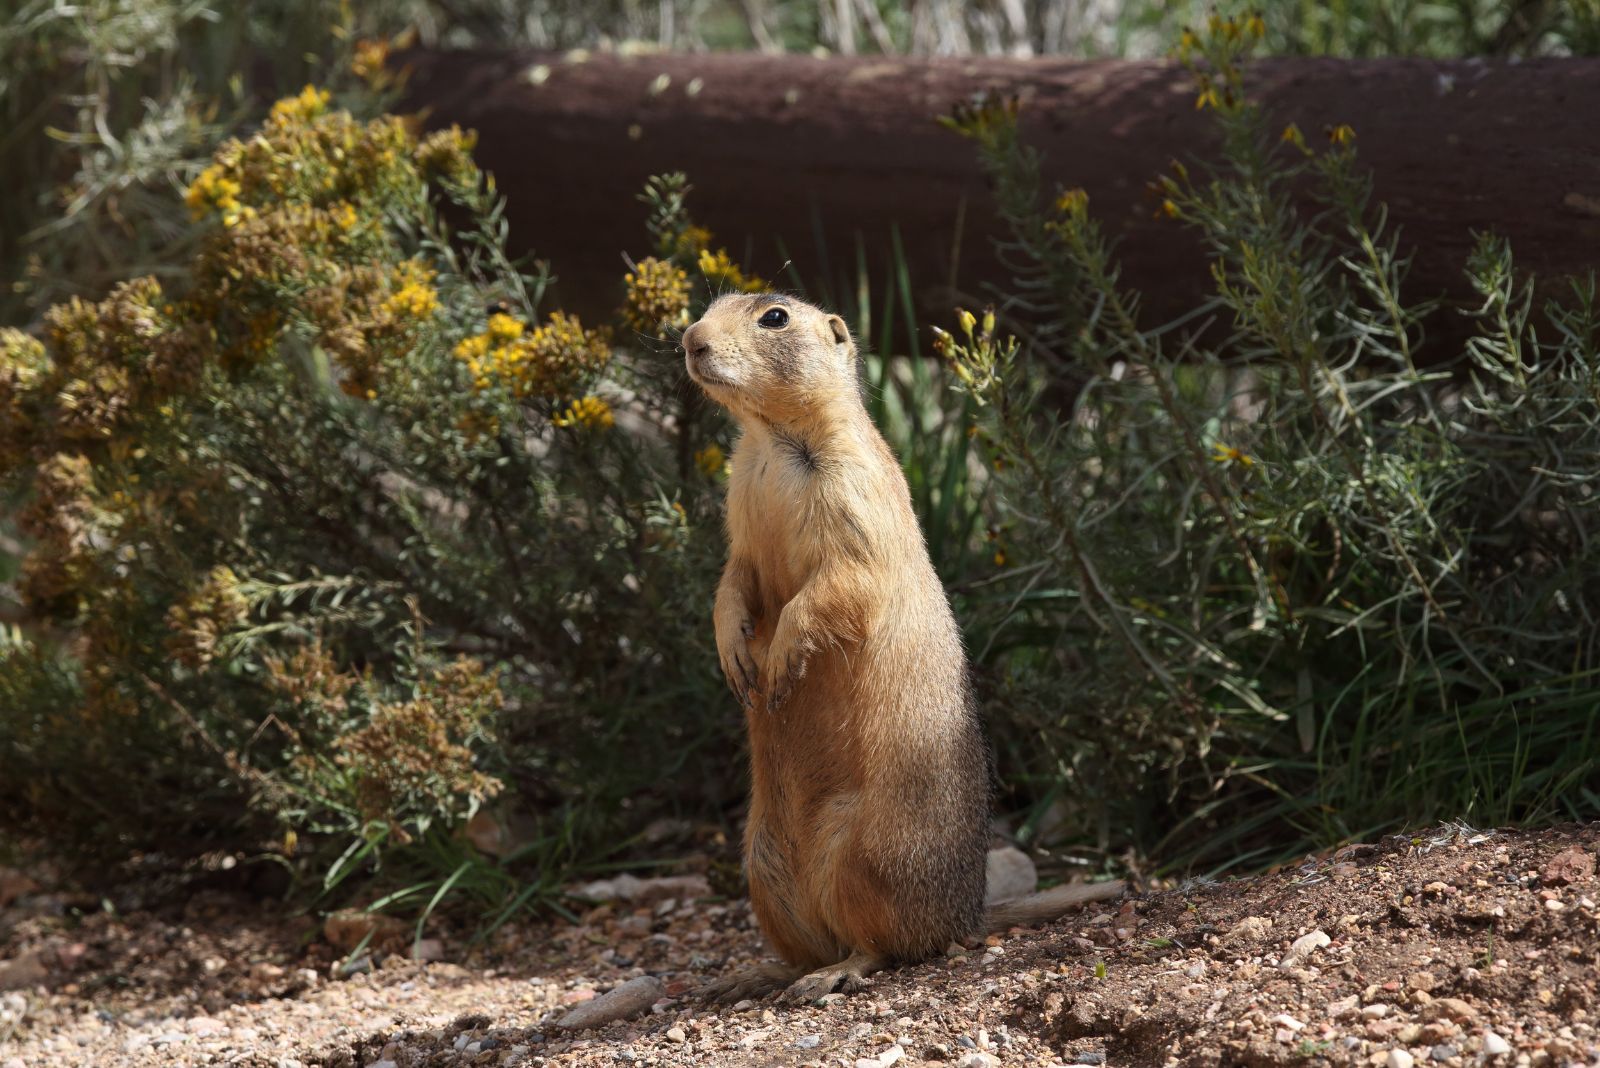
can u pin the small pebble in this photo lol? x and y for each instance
(808, 1042)
(1494, 1045)
(1399, 1058)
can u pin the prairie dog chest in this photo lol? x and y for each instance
(772, 512)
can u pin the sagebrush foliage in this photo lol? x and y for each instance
(1289, 568)
(334, 532)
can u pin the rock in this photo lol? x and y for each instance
(677, 1034)
(1443, 1052)
(1287, 1022)
(979, 1060)
(890, 1056)
(1089, 1056)
(427, 949)
(630, 999)
(489, 835)
(1568, 866)
(1303, 947)
(1494, 1045)
(1423, 981)
(346, 929)
(645, 891)
(15, 1062)
(1447, 1009)
(353, 966)
(1399, 1058)
(28, 969)
(1011, 874)
(1440, 1032)
(1249, 929)
(1348, 1006)
(1376, 1011)
(754, 1039)
(808, 1042)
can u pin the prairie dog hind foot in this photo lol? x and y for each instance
(752, 983)
(846, 977)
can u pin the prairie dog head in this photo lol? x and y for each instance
(771, 357)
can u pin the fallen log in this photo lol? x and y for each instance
(800, 158)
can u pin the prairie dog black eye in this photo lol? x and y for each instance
(774, 319)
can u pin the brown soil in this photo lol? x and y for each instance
(1437, 947)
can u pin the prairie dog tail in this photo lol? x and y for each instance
(1046, 905)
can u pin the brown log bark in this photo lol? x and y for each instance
(783, 149)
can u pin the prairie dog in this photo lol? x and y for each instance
(869, 808)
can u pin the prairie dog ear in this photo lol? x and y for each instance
(841, 333)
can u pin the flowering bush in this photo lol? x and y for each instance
(334, 532)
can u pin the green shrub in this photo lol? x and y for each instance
(1290, 577)
(332, 532)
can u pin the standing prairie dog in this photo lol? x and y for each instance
(869, 808)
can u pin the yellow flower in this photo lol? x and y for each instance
(448, 154)
(1208, 98)
(1227, 454)
(311, 103)
(369, 61)
(587, 412)
(1170, 209)
(658, 295)
(1292, 134)
(415, 298)
(720, 270)
(711, 460)
(1074, 203)
(549, 362)
(1255, 25)
(1342, 135)
(693, 239)
(504, 328)
(213, 191)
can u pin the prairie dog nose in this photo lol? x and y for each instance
(694, 340)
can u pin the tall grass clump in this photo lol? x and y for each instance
(1282, 572)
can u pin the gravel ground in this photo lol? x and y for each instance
(1452, 948)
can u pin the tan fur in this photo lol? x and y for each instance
(869, 803)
